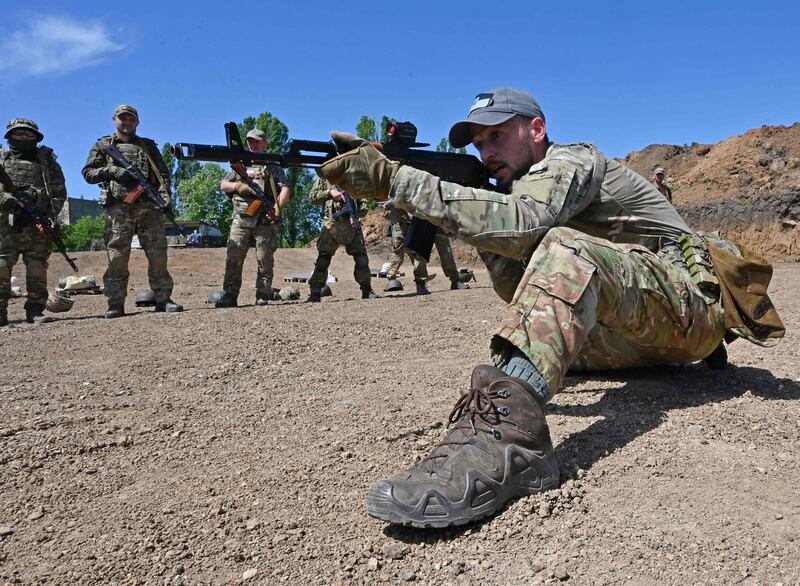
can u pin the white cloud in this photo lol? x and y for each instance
(52, 45)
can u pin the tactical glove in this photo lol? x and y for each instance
(8, 201)
(120, 174)
(363, 170)
(244, 189)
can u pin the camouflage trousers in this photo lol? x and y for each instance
(586, 303)
(35, 251)
(443, 248)
(246, 232)
(339, 234)
(122, 222)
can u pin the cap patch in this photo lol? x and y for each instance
(481, 101)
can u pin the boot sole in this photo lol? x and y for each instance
(541, 475)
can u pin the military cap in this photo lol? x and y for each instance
(492, 108)
(24, 124)
(257, 134)
(126, 109)
(658, 171)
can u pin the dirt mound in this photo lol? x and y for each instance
(760, 161)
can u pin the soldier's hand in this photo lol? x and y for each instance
(120, 174)
(8, 201)
(336, 195)
(244, 189)
(363, 171)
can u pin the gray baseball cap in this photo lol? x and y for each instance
(257, 134)
(492, 108)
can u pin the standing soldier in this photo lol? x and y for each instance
(141, 217)
(259, 227)
(335, 233)
(658, 181)
(34, 169)
(400, 221)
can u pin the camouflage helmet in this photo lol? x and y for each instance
(215, 296)
(145, 299)
(59, 303)
(24, 124)
(289, 294)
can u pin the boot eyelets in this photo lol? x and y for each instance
(503, 394)
(497, 435)
(504, 411)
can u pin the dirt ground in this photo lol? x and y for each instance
(228, 446)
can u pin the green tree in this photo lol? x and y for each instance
(201, 198)
(79, 235)
(367, 129)
(277, 132)
(444, 146)
(179, 171)
(300, 219)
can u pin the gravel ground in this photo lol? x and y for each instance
(228, 446)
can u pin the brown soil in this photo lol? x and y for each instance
(220, 446)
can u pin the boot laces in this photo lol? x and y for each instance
(476, 403)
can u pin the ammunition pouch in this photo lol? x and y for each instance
(744, 278)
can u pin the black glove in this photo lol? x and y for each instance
(8, 201)
(120, 175)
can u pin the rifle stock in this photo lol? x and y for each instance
(401, 146)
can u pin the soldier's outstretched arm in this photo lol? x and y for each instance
(510, 225)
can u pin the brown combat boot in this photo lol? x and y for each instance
(499, 449)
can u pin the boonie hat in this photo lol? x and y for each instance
(491, 108)
(126, 109)
(658, 171)
(25, 124)
(257, 134)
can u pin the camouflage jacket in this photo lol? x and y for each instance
(574, 186)
(139, 152)
(320, 195)
(41, 177)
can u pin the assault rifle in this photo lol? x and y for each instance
(110, 150)
(44, 225)
(401, 146)
(234, 140)
(349, 208)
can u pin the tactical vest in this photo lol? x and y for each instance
(32, 175)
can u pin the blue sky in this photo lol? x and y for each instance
(621, 75)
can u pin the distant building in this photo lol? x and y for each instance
(212, 236)
(77, 207)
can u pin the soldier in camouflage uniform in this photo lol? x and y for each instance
(584, 251)
(34, 169)
(399, 222)
(141, 217)
(336, 233)
(260, 229)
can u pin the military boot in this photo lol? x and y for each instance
(422, 288)
(262, 300)
(34, 313)
(3, 316)
(227, 300)
(456, 285)
(168, 306)
(368, 293)
(115, 310)
(314, 297)
(498, 449)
